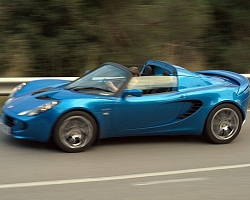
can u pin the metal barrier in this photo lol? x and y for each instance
(7, 84)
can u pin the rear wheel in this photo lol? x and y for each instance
(223, 124)
(75, 131)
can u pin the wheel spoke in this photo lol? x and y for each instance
(225, 132)
(231, 116)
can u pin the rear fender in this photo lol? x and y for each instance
(241, 80)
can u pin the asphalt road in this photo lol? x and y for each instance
(127, 168)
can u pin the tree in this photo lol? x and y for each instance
(227, 40)
(64, 38)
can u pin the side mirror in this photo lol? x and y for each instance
(133, 92)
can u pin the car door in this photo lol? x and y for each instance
(147, 111)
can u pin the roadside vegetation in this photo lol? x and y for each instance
(64, 38)
(2, 100)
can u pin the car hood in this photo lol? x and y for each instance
(58, 94)
(39, 86)
(43, 96)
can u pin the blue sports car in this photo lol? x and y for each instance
(164, 99)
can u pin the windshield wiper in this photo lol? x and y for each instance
(80, 88)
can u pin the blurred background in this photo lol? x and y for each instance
(67, 37)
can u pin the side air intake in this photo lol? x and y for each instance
(196, 105)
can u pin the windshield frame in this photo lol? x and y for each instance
(81, 85)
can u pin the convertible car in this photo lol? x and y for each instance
(164, 99)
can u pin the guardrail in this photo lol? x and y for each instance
(7, 84)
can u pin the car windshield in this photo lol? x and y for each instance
(96, 82)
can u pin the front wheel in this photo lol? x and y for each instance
(75, 131)
(223, 124)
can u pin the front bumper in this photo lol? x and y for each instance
(37, 128)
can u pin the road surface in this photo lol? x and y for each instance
(128, 169)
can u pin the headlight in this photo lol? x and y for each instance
(16, 89)
(9, 100)
(39, 109)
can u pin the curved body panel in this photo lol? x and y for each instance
(171, 101)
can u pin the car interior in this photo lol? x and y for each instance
(156, 71)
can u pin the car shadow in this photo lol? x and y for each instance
(50, 146)
(150, 139)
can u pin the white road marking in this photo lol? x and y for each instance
(121, 177)
(168, 181)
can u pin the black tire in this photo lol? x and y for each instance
(75, 132)
(223, 124)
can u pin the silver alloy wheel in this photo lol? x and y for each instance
(76, 132)
(225, 123)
